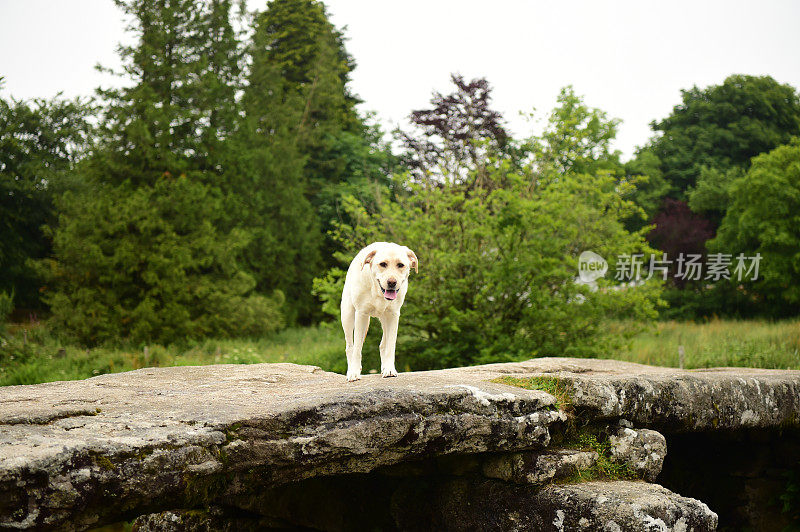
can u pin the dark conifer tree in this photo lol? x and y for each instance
(295, 40)
(147, 250)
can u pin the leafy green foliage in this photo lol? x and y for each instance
(644, 173)
(496, 282)
(706, 146)
(267, 191)
(498, 257)
(300, 107)
(39, 143)
(149, 264)
(295, 40)
(711, 196)
(179, 106)
(296, 37)
(723, 126)
(577, 139)
(764, 218)
(154, 247)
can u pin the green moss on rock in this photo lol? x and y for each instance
(558, 388)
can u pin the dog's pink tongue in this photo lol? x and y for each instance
(390, 294)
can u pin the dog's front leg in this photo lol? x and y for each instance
(359, 334)
(388, 343)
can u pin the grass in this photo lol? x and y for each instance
(605, 468)
(555, 387)
(752, 343)
(30, 354)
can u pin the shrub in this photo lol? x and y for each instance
(498, 265)
(149, 264)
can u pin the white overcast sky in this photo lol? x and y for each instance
(629, 58)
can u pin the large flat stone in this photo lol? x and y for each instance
(77, 454)
(671, 399)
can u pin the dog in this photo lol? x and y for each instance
(375, 286)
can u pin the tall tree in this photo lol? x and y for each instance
(764, 218)
(219, 80)
(296, 38)
(148, 250)
(269, 192)
(185, 68)
(577, 139)
(723, 126)
(452, 140)
(40, 141)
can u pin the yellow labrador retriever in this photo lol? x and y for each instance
(375, 286)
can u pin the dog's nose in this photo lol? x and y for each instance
(391, 283)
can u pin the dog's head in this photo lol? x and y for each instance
(390, 265)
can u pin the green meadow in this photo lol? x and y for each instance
(30, 354)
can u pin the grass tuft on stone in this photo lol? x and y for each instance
(558, 388)
(605, 468)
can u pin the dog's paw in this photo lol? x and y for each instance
(388, 372)
(353, 376)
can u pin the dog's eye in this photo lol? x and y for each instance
(383, 264)
(401, 265)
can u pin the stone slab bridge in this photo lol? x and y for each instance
(547, 444)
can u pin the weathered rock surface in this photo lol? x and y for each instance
(643, 450)
(538, 467)
(369, 502)
(674, 400)
(213, 519)
(624, 505)
(491, 505)
(78, 454)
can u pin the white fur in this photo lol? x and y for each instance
(362, 298)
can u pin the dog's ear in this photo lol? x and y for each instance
(414, 261)
(368, 258)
